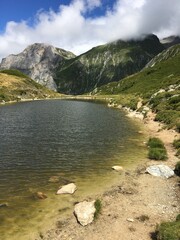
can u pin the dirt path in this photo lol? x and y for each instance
(132, 209)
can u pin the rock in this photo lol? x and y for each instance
(130, 220)
(54, 179)
(39, 62)
(67, 189)
(3, 205)
(84, 212)
(40, 195)
(117, 168)
(160, 171)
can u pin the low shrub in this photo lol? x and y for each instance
(98, 207)
(169, 230)
(157, 154)
(176, 143)
(177, 169)
(155, 143)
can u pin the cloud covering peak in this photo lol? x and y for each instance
(72, 28)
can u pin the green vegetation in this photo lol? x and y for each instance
(176, 144)
(155, 143)
(15, 86)
(14, 72)
(169, 230)
(158, 86)
(157, 150)
(104, 64)
(98, 207)
(177, 169)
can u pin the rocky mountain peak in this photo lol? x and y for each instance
(38, 61)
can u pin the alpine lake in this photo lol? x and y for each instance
(72, 141)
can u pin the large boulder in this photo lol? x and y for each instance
(84, 212)
(67, 189)
(160, 171)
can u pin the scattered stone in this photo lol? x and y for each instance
(3, 205)
(54, 179)
(117, 168)
(84, 212)
(130, 219)
(40, 195)
(160, 171)
(67, 189)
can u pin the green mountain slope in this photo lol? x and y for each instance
(15, 86)
(106, 63)
(158, 84)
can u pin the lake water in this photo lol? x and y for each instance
(76, 141)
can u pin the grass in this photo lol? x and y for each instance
(98, 207)
(14, 86)
(155, 143)
(157, 150)
(14, 72)
(169, 230)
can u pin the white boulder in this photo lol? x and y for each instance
(67, 189)
(84, 212)
(160, 171)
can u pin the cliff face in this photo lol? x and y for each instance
(106, 63)
(39, 62)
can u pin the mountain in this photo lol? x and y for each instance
(60, 70)
(157, 85)
(39, 61)
(106, 63)
(15, 86)
(170, 41)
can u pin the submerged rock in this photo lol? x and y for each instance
(84, 212)
(117, 168)
(54, 179)
(67, 189)
(160, 171)
(3, 205)
(40, 195)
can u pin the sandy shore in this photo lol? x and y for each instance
(132, 209)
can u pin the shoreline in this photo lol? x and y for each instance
(136, 194)
(126, 203)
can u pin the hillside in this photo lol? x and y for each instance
(39, 61)
(106, 63)
(62, 71)
(158, 84)
(15, 86)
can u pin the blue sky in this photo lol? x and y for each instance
(78, 25)
(18, 10)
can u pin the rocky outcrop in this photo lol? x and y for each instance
(84, 212)
(160, 171)
(39, 61)
(67, 189)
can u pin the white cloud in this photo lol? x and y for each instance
(68, 28)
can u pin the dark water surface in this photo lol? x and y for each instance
(74, 140)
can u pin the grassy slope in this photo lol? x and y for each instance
(14, 85)
(147, 83)
(106, 63)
